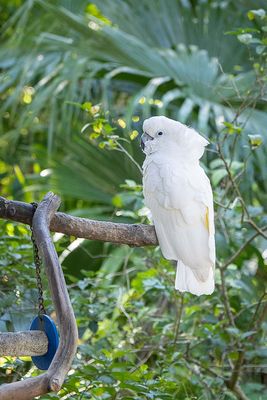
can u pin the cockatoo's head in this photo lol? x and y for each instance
(164, 135)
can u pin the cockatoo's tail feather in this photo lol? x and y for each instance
(186, 281)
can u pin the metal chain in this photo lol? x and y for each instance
(38, 264)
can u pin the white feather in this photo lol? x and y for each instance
(186, 281)
(179, 195)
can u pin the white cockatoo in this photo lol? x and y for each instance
(179, 195)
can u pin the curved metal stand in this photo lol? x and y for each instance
(53, 378)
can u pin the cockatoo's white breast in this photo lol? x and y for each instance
(180, 200)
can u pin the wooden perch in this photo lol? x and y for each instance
(131, 234)
(19, 344)
(44, 219)
(53, 378)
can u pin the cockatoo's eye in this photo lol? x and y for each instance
(160, 133)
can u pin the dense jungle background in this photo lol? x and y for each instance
(77, 79)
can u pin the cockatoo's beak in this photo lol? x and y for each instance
(144, 138)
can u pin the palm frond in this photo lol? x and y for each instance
(170, 53)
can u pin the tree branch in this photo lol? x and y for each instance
(232, 383)
(18, 344)
(226, 301)
(132, 234)
(53, 378)
(240, 250)
(236, 371)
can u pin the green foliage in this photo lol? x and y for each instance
(93, 54)
(77, 79)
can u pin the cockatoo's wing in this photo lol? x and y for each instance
(181, 203)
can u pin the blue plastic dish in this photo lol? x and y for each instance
(47, 325)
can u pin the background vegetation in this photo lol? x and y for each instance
(77, 80)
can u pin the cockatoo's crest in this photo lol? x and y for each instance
(167, 133)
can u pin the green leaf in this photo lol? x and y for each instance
(87, 106)
(115, 260)
(93, 326)
(247, 334)
(218, 175)
(231, 128)
(107, 379)
(260, 49)
(241, 31)
(216, 163)
(233, 331)
(117, 201)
